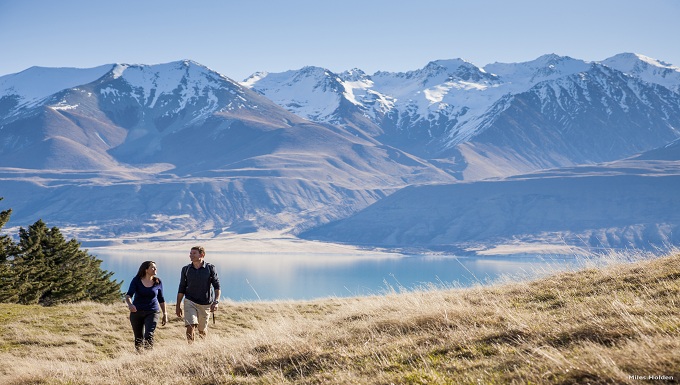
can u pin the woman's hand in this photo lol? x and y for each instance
(133, 308)
(164, 320)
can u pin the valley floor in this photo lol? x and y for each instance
(617, 324)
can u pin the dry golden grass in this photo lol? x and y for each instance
(611, 325)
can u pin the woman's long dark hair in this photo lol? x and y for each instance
(141, 273)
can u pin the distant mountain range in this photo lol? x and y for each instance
(498, 120)
(150, 149)
(447, 156)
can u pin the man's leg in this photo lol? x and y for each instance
(203, 317)
(190, 333)
(190, 319)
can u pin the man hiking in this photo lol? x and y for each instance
(195, 285)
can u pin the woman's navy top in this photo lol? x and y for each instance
(145, 298)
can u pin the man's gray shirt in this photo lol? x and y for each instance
(195, 283)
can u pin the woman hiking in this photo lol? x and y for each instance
(145, 309)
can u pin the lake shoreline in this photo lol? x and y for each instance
(274, 266)
(281, 242)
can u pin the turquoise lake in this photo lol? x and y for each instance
(287, 276)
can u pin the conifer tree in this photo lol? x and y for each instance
(51, 270)
(5, 240)
(44, 268)
(8, 291)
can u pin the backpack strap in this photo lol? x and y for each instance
(185, 271)
(211, 267)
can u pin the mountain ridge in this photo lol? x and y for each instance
(178, 147)
(435, 113)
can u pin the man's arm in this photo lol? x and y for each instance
(215, 303)
(216, 286)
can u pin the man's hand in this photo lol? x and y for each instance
(178, 310)
(165, 319)
(214, 306)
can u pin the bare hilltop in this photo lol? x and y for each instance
(613, 324)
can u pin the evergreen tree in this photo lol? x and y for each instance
(44, 268)
(52, 270)
(30, 266)
(7, 278)
(5, 240)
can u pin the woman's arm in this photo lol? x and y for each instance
(128, 296)
(128, 301)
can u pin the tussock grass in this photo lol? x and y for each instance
(614, 324)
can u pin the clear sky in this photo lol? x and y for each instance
(240, 37)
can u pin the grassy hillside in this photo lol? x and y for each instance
(613, 325)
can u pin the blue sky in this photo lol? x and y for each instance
(238, 38)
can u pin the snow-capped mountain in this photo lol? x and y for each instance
(144, 149)
(126, 109)
(404, 109)
(177, 146)
(30, 87)
(318, 104)
(648, 69)
(450, 109)
(593, 116)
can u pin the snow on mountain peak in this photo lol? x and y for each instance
(353, 75)
(439, 71)
(459, 69)
(358, 85)
(446, 65)
(251, 80)
(646, 68)
(150, 82)
(118, 70)
(310, 92)
(37, 83)
(656, 62)
(546, 67)
(634, 59)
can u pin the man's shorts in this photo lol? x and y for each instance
(195, 314)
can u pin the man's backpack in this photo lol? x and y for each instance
(211, 267)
